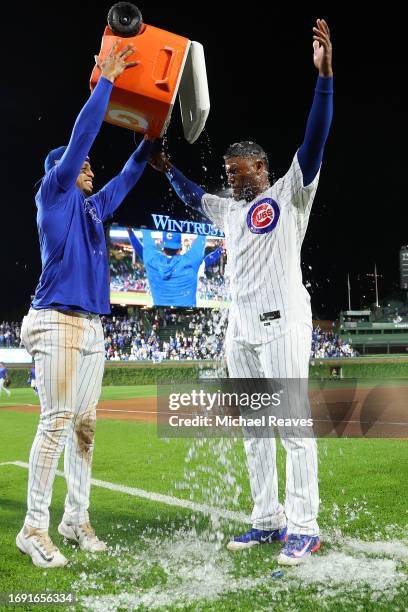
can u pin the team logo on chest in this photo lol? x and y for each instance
(91, 210)
(263, 216)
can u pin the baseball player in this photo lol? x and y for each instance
(270, 322)
(31, 382)
(62, 330)
(172, 276)
(4, 379)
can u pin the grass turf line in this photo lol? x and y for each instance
(363, 495)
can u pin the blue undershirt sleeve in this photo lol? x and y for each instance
(187, 191)
(310, 153)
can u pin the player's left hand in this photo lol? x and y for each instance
(159, 160)
(322, 49)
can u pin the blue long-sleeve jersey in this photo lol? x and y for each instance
(136, 244)
(209, 259)
(172, 279)
(70, 226)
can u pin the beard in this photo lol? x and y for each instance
(247, 193)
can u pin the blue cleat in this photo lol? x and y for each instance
(298, 549)
(257, 536)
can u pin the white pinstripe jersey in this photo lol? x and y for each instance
(264, 239)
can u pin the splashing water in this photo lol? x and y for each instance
(213, 466)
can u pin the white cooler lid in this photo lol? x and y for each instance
(193, 93)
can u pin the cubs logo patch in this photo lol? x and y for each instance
(263, 216)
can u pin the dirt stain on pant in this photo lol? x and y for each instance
(85, 432)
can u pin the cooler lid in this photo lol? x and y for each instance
(193, 93)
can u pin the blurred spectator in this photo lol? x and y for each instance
(197, 335)
(10, 334)
(329, 344)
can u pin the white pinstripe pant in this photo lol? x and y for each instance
(2, 387)
(285, 357)
(68, 349)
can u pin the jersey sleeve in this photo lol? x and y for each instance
(50, 192)
(149, 246)
(136, 244)
(64, 175)
(215, 209)
(196, 252)
(291, 191)
(110, 197)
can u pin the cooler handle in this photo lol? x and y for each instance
(164, 82)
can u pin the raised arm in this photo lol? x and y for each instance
(112, 195)
(135, 242)
(310, 153)
(91, 116)
(190, 193)
(198, 247)
(148, 242)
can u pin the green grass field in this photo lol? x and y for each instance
(27, 396)
(165, 557)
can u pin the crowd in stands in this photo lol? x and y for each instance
(204, 338)
(329, 344)
(10, 334)
(126, 277)
(164, 333)
(198, 335)
(213, 287)
(130, 338)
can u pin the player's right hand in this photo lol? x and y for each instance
(115, 62)
(322, 49)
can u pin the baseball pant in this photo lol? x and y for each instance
(286, 357)
(3, 388)
(68, 349)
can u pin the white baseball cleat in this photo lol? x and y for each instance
(38, 544)
(84, 535)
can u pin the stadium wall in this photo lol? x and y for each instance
(145, 373)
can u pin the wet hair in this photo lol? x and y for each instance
(247, 148)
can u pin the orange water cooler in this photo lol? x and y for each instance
(143, 97)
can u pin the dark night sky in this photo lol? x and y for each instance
(261, 79)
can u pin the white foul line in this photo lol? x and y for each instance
(157, 497)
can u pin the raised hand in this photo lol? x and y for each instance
(159, 160)
(115, 62)
(322, 49)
